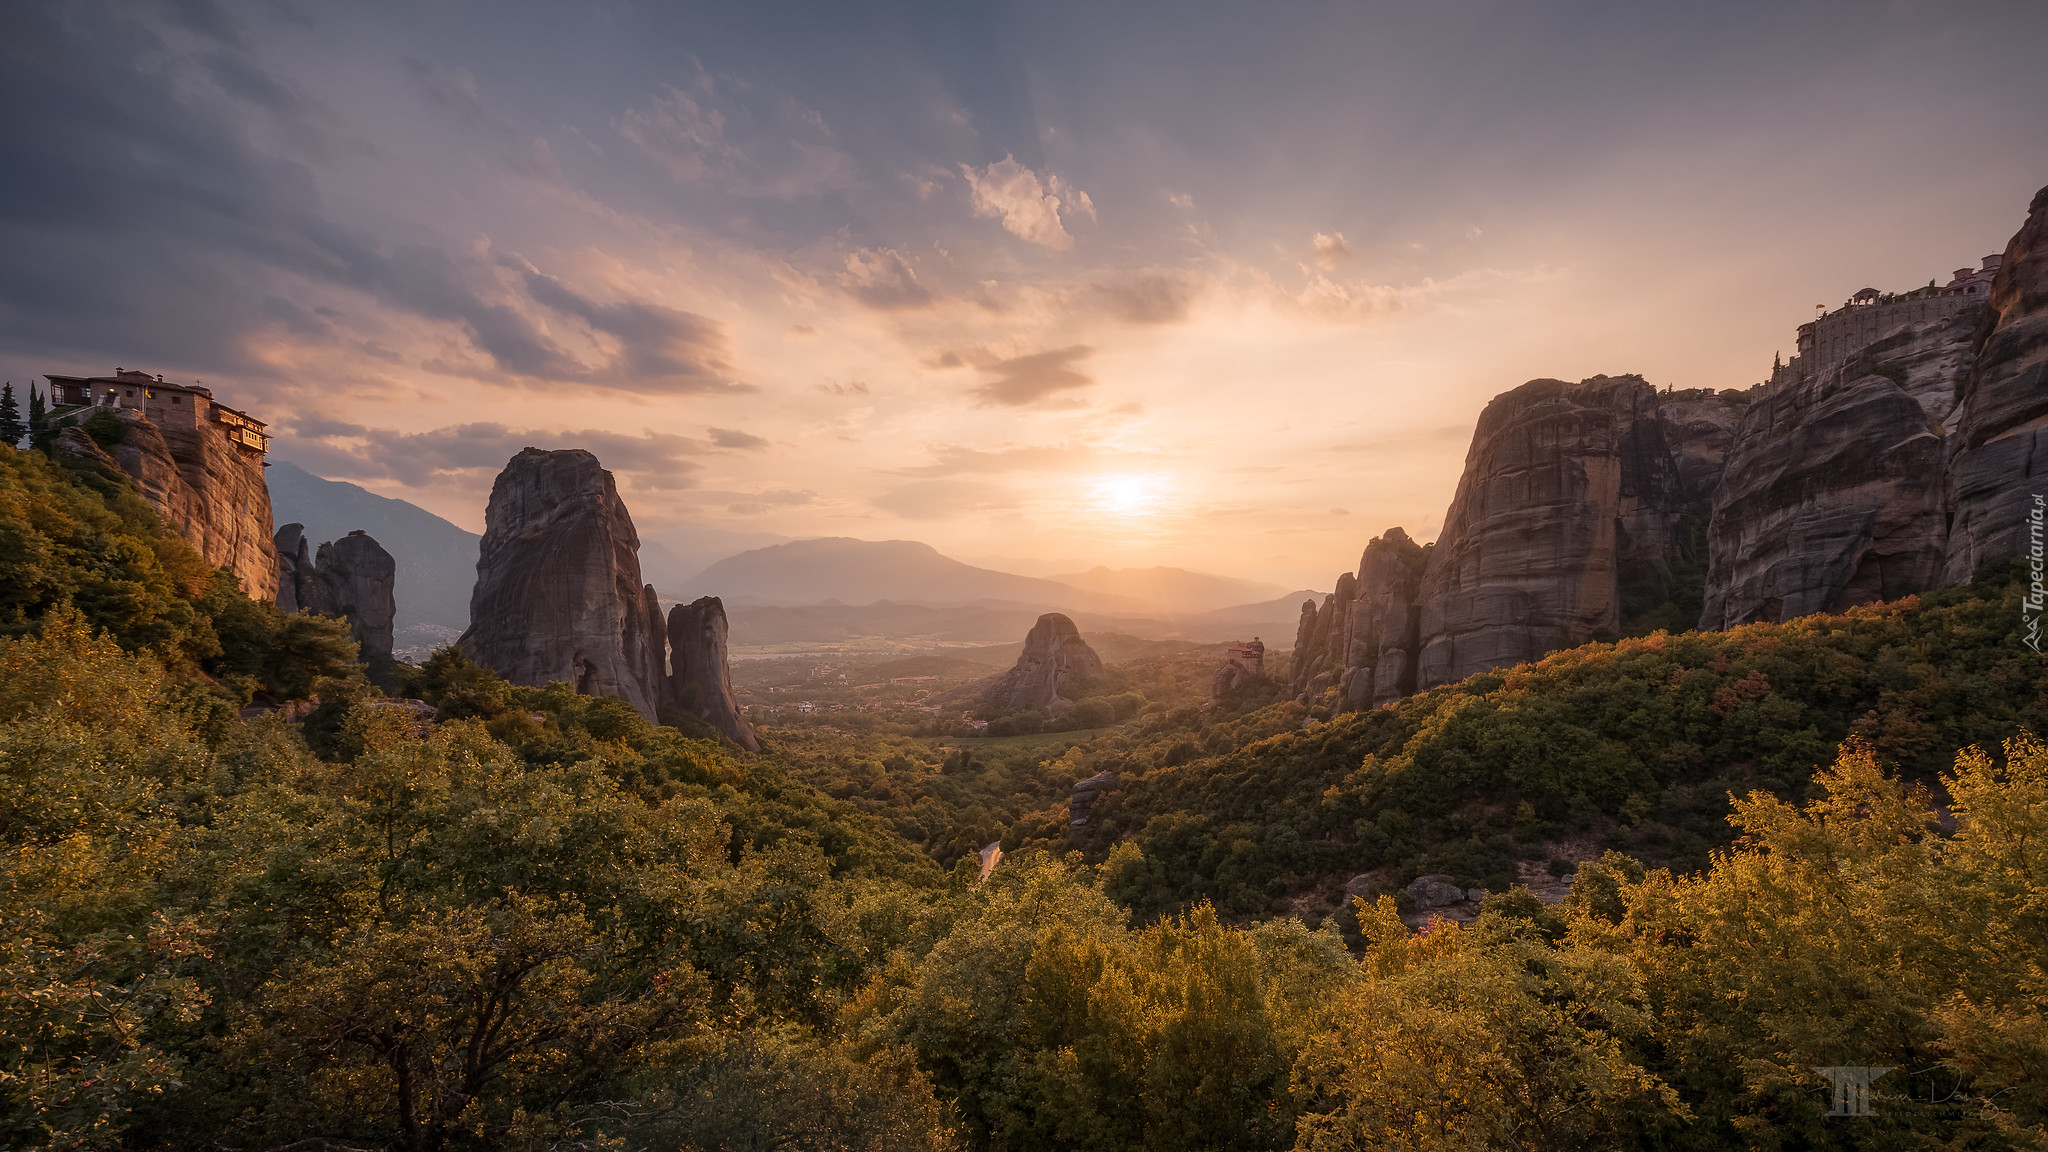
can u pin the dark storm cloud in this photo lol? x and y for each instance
(156, 229)
(1039, 378)
(417, 459)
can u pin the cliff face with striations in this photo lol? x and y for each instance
(558, 592)
(700, 679)
(1998, 453)
(206, 485)
(1898, 452)
(1577, 503)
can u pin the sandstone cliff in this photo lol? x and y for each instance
(701, 679)
(1054, 665)
(207, 486)
(1575, 514)
(1898, 452)
(1999, 450)
(558, 593)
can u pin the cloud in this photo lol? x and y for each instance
(883, 279)
(1029, 208)
(733, 438)
(658, 348)
(756, 503)
(418, 459)
(1039, 378)
(955, 459)
(1150, 299)
(1330, 250)
(942, 499)
(740, 139)
(158, 214)
(835, 388)
(519, 151)
(1181, 199)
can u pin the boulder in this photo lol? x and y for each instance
(1432, 892)
(701, 679)
(558, 591)
(1083, 798)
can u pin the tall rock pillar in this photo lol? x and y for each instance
(700, 679)
(558, 590)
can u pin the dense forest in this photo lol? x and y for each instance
(534, 920)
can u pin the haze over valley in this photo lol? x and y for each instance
(935, 577)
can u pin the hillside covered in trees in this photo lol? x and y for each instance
(534, 920)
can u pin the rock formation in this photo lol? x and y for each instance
(1083, 798)
(299, 586)
(1242, 663)
(558, 591)
(362, 577)
(203, 475)
(1999, 448)
(1899, 451)
(1577, 502)
(352, 578)
(1384, 636)
(1054, 664)
(1835, 491)
(700, 679)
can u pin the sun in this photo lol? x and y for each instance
(1128, 495)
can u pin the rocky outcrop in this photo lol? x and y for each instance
(1383, 637)
(701, 680)
(1899, 451)
(558, 591)
(1577, 507)
(299, 586)
(1998, 453)
(352, 578)
(207, 486)
(1084, 794)
(1055, 664)
(1242, 664)
(362, 578)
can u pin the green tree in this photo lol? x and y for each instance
(11, 427)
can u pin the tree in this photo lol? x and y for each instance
(38, 416)
(11, 427)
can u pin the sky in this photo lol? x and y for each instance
(1044, 285)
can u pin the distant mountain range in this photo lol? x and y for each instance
(840, 570)
(822, 591)
(1172, 589)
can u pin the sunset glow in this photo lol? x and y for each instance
(928, 275)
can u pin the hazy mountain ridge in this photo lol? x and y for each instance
(436, 559)
(1172, 589)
